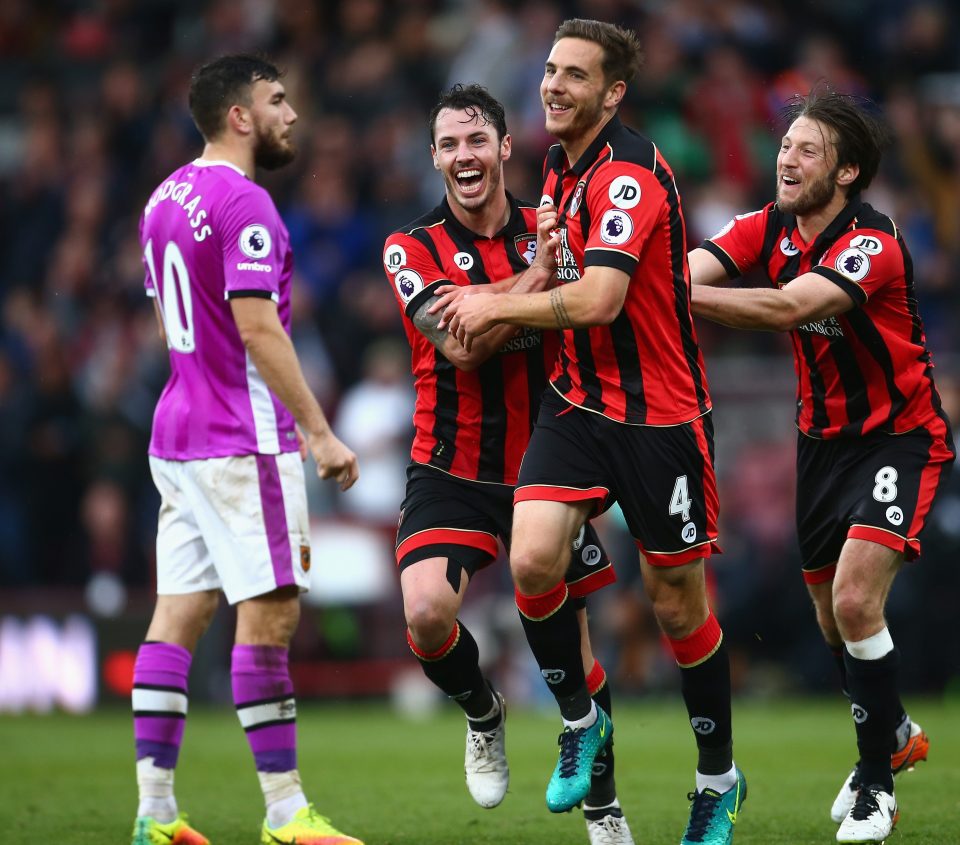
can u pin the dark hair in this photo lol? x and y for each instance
(860, 135)
(476, 101)
(622, 53)
(222, 83)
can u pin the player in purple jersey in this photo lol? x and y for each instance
(226, 453)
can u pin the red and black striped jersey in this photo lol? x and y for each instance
(474, 425)
(619, 207)
(867, 369)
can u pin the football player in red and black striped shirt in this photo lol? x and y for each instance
(473, 417)
(874, 447)
(626, 416)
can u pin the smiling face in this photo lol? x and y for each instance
(808, 176)
(576, 97)
(272, 118)
(470, 157)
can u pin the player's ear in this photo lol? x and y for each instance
(615, 94)
(506, 147)
(238, 118)
(847, 174)
(436, 161)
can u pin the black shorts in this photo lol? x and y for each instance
(446, 516)
(880, 487)
(662, 476)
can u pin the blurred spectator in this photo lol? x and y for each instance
(375, 420)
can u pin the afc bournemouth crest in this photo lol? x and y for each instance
(526, 246)
(577, 198)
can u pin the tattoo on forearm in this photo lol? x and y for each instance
(559, 310)
(427, 324)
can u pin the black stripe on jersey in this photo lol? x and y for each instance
(254, 294)
(728, 263)
(856, 400)
(778, 226)
(628, 362)
(818, 390)
(445, 412)
(493, 419)
(852, 289)
(447, 403)
(681, 287)
(871, 338)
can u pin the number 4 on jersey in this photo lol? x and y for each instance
(680, 499)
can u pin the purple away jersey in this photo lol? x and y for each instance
(208, 234)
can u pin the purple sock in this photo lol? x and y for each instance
(263, 694)
(160, 701)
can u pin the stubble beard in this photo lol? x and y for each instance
(818, 195)
(272, 152)
(582, 122)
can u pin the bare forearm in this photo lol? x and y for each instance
(563, 307)
(743, 308)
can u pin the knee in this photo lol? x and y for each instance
(854, 612)
(535, 570)
(680, 609)
(429, 622)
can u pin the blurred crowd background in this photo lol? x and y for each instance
(93, 115)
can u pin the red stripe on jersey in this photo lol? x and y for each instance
(619, 208)
(867, 369)
(476, 424)
(448, 536)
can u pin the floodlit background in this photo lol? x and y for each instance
(93, 116)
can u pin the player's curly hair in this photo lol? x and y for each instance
(476, 101)
(224, 82)
(622, 53)
(860, 134)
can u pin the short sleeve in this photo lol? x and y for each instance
(862, 261)
(250, 233)
(411, 270)
(625, 203)
(739, 244)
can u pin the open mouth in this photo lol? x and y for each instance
(557, 108)
(470, 181)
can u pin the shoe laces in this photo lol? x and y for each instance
(702, 813)
(866, 804)
(479, 743)
(570, 741)
(607, 831)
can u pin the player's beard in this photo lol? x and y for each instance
(475, 203)
(272, 152)
(584, 120)
(817, 195)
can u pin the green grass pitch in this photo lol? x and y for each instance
(390, 781)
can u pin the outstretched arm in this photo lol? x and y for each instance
(807, 298)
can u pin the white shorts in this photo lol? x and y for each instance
(237, 524)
